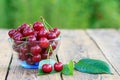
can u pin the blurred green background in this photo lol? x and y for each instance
(69, 14)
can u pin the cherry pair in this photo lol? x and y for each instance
(47, 68)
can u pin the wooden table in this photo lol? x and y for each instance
(97, 44)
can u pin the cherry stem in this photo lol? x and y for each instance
(31, 26)
(24, 37)
(48, 56)
(53, 52)
(43, 20)
(46, 24)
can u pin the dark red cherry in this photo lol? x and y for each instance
(42, 33)
(57, 31)
(29, 61)
(51, 35)
(11, 33)
(28, 32)
(24, 49)
(35, 50)
(18, 42)
(16, 48)
(36, 58)
(58, 66)
(32, 40)
(44, 42)
(54, 45)
(22, 56)
(17, 36)
(44, 56)
(22, 27)
(38, 26)
(47, 68)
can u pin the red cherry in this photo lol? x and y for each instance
(43, 50)
(32, 40)
(18, 42)
(29, 61)
(58, 66)
(51, 35)
(57, 31)
(53, 44)
(36, 35)
(36, 58)
(24, 49)
(42, 33)
(11, 32)
(44, 42)
(28, 32)
(22, 27)
(51, 30)
(35, 50)
(22, 56)
(38, 26)
(16, 48)
(44, 56)
(17, 36)
(47, 68)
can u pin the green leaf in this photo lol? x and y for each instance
(68, 68)
(92, 66)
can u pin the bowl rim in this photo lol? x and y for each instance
(56, 39)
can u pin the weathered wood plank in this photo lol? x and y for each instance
(5, 54)
(109, 43)
(18, 73)
(77, 42)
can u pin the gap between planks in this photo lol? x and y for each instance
(102, 52)
(5, 54)
(9, 67)
(108, 42)
(73, 44)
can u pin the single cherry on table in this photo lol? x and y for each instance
(47, 68)
(58, 66)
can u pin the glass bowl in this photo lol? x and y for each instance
(27, 54)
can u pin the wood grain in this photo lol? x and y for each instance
(77, 42)
(100, 44)
(5, 54)
(109, 42)
(18, 73)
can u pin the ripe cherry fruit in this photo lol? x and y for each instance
(51, 35)
(22, 27)
(44, 42)
(28, 32)
(35, 50)
(57, 31)
(58, 66)
(42, 33)
(36, 58)
(38, 26)
(11, 32)
(47, 68)
(29, 61)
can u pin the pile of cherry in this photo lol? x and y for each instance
(34, 43)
